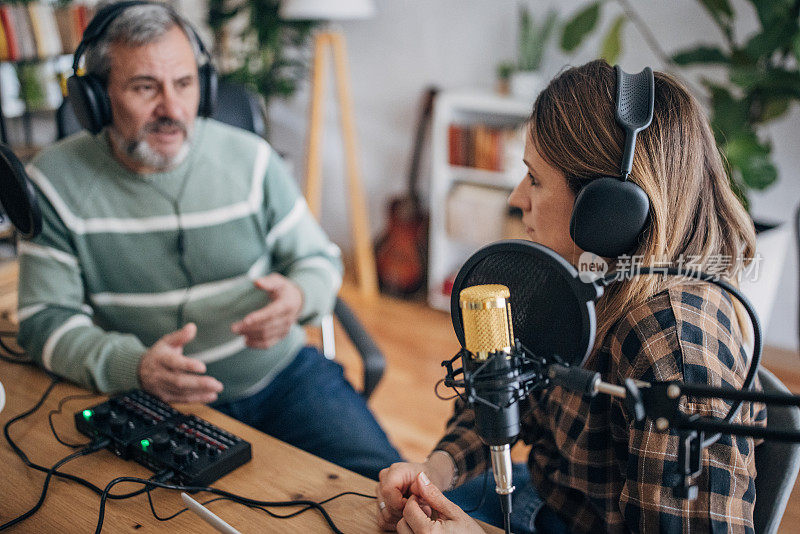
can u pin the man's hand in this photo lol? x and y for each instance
(266, 326)
(428, 511)
(166, 373)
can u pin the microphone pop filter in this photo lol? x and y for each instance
(552, 310)
(17, 197)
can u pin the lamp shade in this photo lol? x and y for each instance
(326, 9)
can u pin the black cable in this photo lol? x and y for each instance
(439, 395)
(58, 411)
(94, 447)
(14, 356)
(232, 496)
(9, 349)
(15, 360)
(329, 499)
(55, 380)
(272, 514)
(797, 245)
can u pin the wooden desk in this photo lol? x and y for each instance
(277, 472)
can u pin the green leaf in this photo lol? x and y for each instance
(774, 81)
(718, 8)
(533, 39)
(751, 158)
(581, 25)
(771, 12)
(700, 54)
(721, 12)
(611, 47)
(796, 47)
(776, 36)
(774, 108)
(729, 116)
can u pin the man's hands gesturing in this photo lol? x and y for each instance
(268, 325)
(166, 373)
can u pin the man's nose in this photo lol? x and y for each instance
(170, 104)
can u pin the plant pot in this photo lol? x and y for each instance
(525, 85)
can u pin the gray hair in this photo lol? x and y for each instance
(136, 26)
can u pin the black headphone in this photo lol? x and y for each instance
(87, 93)
(610, 212)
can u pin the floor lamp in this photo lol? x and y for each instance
(325, 39)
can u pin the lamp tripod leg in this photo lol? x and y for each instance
(364, 256)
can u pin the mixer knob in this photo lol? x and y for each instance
(102, 412)
(117, 421)
(181, 454)
(160, 441)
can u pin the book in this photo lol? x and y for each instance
(3, 44)
(10, 31)
(22, 23)
(45, 30)
(475, 214)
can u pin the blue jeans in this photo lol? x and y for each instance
(529, 513)
(311, 405)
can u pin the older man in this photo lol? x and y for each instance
(177, 255)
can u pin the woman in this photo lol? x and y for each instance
(591, 467)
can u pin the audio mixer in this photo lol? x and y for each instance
(149, 431)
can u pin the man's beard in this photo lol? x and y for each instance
(140, 151)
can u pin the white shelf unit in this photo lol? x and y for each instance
(446, 254)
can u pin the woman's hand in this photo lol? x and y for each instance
(430, 512)
(395, 485)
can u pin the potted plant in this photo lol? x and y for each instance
(274, 57)
(524, 79)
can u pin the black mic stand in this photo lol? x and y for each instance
(660, 402)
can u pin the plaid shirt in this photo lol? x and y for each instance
(604, 472)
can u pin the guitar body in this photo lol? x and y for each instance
(401, 253)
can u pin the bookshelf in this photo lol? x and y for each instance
(36, 43)
(464, 199)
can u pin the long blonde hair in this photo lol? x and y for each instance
(694, 213)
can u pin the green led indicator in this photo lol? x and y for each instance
(145, 444)
(87, 414)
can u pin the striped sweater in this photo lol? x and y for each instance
(125, 258)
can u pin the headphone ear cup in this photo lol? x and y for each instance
(207, 75)
(89, 99)
(608, 217)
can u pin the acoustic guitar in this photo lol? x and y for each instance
(401, 253)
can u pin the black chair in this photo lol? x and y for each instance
(797, 244)
(776, 463)
(238, 106)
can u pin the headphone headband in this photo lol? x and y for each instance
(103, 19)
(610, 213)
(634, 113)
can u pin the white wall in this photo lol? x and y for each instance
(458, 44)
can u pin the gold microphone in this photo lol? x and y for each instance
(486, 317)
(486, 313)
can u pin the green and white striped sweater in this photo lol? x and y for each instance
(106, 278)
